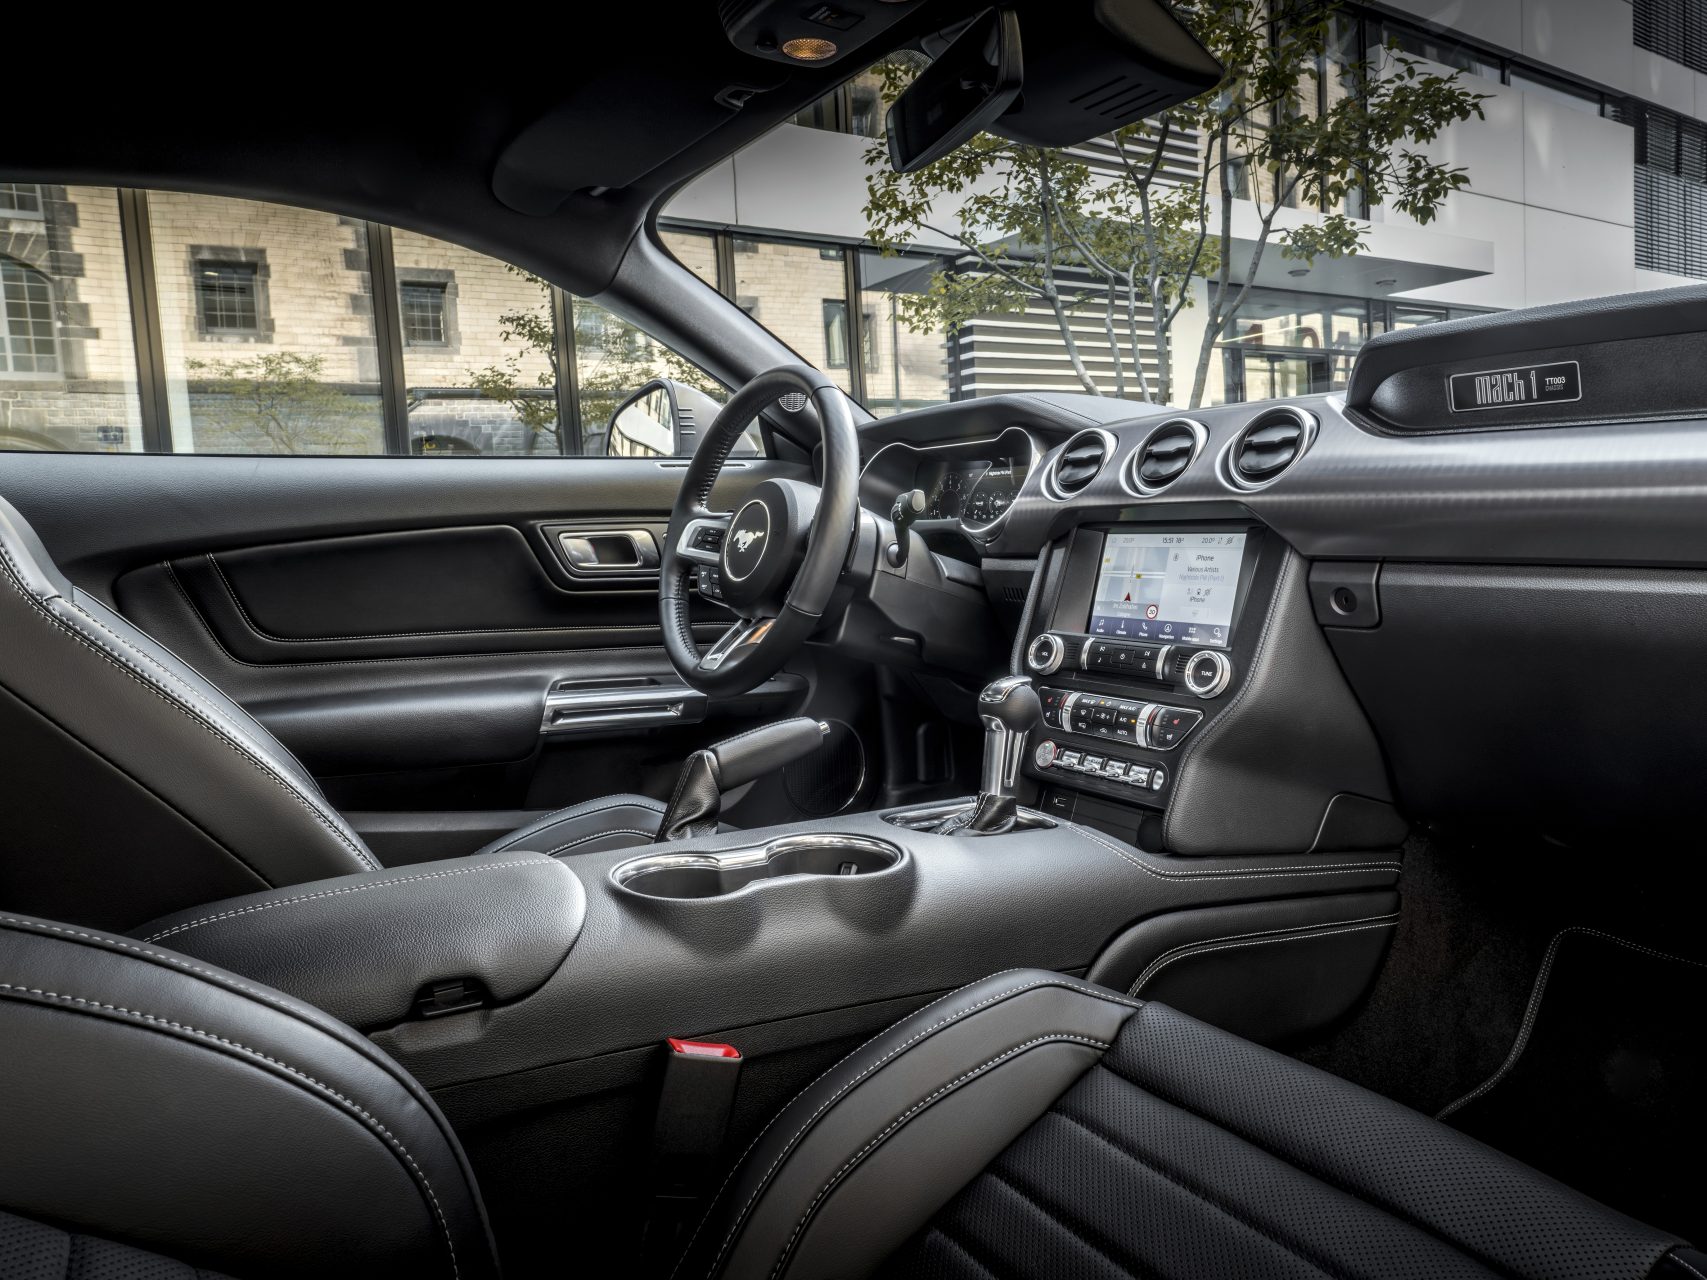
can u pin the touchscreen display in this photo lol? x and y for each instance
(1173, 588)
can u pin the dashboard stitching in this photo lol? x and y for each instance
(1234, 873)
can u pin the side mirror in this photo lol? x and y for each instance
(975, 80)
(663, 419)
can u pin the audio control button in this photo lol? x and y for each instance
(1045, 654)
(1207, 673)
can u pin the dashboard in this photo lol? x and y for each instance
(1285, 601)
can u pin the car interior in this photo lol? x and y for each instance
(1035, 835)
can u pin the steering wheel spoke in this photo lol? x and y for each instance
(745, 632)
(702, 539)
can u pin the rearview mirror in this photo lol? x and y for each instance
(974, 81)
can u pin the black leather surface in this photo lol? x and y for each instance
(363, 947)
(610, 822)
(234, 809)
(1189, 1152)
(156, 1102)
(36, 1251)
(864, 1156)
(1266, 971)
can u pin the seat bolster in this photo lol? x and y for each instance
(867, 1153)
(164, 1104)
(609, 822)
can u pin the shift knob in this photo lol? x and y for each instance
(1013, 702)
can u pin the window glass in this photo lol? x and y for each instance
(266, 323)
(480, 352)
(904, 368)
(67, 361)
(785, 288)
(1561, 91)
(695, 250)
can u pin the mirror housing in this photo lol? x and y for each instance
(975, 80)
(662, 419)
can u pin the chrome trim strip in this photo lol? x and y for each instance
(742, 857)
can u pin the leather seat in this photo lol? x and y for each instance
(162, 1115)
(145, 788)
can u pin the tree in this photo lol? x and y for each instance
(613, 359)
(279, 403)
(1043, 224)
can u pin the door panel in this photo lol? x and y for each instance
(399, 623)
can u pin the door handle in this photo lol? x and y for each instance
(608, 550)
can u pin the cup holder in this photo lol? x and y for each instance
(717, 873)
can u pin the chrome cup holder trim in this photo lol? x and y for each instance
(756, 857)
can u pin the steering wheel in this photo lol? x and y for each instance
(777, 558)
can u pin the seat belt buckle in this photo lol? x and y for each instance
(694, 1105)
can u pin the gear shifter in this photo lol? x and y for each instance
(1010, 711)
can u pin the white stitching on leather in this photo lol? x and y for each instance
(902, 1119)
(1533, 1009)
(403, 635)
(599, 835)
(213, 636)
(1684, 1263)
(333, 893)
(570, 812)
(113, 658)
(1240, 873)
(373, 1124)
(1233, 942)
(788, 1147)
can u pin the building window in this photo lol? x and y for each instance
(1671, 192)
(1675, 29)
(27, 342)
(20, 198)
(835, 333)
(228, 297)
(423, 314)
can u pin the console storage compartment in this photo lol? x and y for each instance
(382, 947)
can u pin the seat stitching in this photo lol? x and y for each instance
(1268, 873)
(1533, 1009)
(255, 627)
(305, 1014)
(1234, 941)
(1204, 1195)
(899, 1121)
(372, 1123)
(185, 708)
(599, 835)
(1314, 1171)
(335, 893)
(1079, 1227)
(842, 1092)
(570, 812)
(213, 637)
(1684, 1263)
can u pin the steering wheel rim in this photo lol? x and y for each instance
(768, 630)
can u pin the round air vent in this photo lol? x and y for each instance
(1272, 442)
(1165, 454)
(1079, 462)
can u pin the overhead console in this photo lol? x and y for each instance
(1625, 359)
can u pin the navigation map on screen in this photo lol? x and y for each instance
(1172, 588)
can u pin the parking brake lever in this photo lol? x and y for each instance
(708, 774)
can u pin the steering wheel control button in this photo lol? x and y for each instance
(746, 543)
(1044, 754)
(1045, 654)
(1207, 673)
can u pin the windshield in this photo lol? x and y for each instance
(1354, 174)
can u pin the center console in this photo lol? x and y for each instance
(1139, 639)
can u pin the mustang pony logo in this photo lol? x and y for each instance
(747, 537)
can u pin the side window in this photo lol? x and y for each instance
(169, 322)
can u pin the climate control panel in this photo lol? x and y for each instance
(1204, 672)
(1143, 724)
